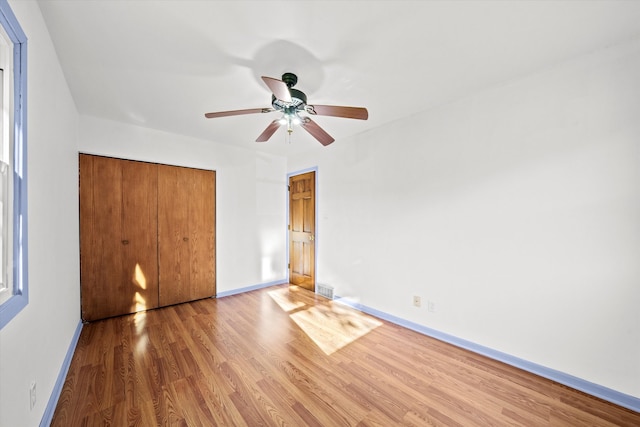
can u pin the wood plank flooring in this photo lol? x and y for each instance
(283, 356)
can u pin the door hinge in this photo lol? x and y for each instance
(288, 188)
(289, 227)
(289, 266)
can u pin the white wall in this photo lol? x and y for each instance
(33, 345)
(515, 210)
(250, 192)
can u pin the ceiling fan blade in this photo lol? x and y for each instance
(317, 132)
(270, 130)
(336, 111)
(238, 112)
(278, 88)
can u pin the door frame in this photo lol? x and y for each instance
(315, 217)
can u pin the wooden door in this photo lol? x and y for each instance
(118, 237)
(186, 234)
(302, 225)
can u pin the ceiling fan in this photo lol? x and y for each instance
(292, 103)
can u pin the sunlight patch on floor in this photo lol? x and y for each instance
(332, 328)
(141, 338)
(140, 321)
(285, 299)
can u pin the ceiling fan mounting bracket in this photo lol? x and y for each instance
(290, 79)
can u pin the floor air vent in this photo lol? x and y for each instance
(324, 290)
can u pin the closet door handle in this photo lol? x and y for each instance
(125, 242)
(186, 239)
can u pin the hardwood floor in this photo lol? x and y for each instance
(284, 356)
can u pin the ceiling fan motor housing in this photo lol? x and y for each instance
(298, 98)
(298, 101)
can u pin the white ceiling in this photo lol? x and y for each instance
(163, 64)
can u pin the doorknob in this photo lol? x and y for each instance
(311, 237)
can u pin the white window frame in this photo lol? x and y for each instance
(6, 150)
(14, 280)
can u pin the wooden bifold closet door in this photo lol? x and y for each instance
(147, 235)
(186, 238)
(118, 236)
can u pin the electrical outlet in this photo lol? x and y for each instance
(416, 301)
(431, 306)
(32, 395)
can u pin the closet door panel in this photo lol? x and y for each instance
(100, 225)
(173, 235)
(202, 235)
(186, 240)
(140, 234)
